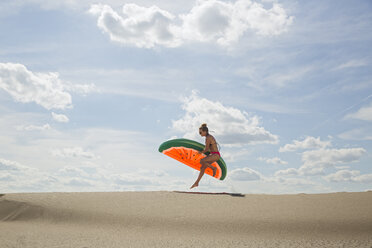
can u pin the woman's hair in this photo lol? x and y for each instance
(203, 127)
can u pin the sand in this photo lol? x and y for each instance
(173, 219)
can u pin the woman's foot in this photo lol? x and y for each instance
(194, 185)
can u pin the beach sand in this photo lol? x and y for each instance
(174, 219)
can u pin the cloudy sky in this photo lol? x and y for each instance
(89, 90)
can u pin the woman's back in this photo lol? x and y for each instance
(213, 144)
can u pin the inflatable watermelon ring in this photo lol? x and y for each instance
(186, 151)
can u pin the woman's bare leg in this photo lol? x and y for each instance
(196, 184)
(204, 166)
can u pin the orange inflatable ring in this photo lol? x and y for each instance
(186, 151)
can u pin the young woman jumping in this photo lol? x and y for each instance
(214, 155)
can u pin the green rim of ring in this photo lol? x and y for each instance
(193, 145)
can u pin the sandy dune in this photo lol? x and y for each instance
(173, 219)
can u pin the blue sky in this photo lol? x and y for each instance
(89, 90)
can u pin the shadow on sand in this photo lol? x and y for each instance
(208, 193)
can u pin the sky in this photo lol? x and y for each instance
(90, 89)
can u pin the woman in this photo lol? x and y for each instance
(211, 146)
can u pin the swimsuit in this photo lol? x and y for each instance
(216, 153)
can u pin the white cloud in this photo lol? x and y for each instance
(45, 89)
(90, 176)
(6, 177)
(308, 143)
(244, 174)
(9, 165)
(125, 179)
(79, 182)
(207, 21)
(314, 162)
(139, 26)
(285, 78)
(364, 113)
(81, 89)
(332, 156)
(295, 181)
(123, 150)
(357, 134)
(349, 176)
(15, 175)
(60, 117)
(352, 64)
(342, 167)
(232, 126)
(33, 127)
(72, 171)
(146, 82)
(287, 172)
(274, 160)
(73, 152)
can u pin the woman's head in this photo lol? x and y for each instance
(203, 130)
